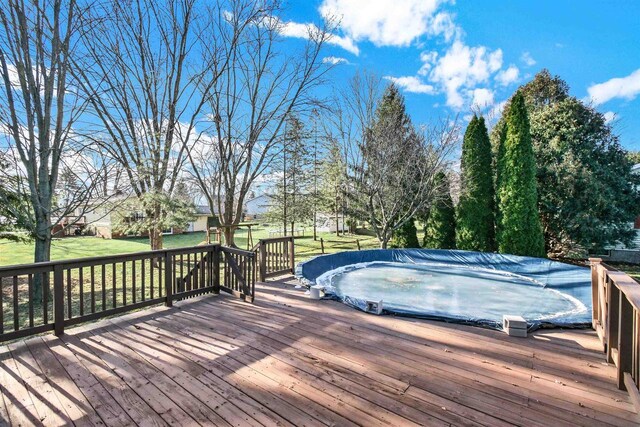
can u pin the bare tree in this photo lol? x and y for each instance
(38, 111)
(257, 88)
(392, 164)
(147, 77)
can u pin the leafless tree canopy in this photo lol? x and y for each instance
(391, 163)
(39, 107)
(254, 90)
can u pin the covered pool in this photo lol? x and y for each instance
(458, 286)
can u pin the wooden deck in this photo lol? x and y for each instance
(287, 360)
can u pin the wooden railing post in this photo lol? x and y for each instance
(595, 285)
(58, 300)
(292, 256)
(262, 251)
(215, 259)
(625, 338)
(168, 279)
(612, 322)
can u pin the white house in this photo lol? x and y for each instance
(257, 207)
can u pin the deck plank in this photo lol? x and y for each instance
(287, 360)
(18, 400)
(568, 399)
(75, 404)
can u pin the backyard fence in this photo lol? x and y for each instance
(616, 319)
(50, 296)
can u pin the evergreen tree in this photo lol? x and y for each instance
(292, 198)
(406, 236)
(587, 192)
(475, 223)
(440, 225)
(519, 232)
(333, 185)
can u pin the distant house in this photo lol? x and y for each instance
(100, 222)
(203, 212)
(257, 207)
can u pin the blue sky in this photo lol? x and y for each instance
(450, 57)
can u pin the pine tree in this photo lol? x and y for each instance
(519, 231)
(333, 185)
(475, 222)
(440, 226)
(292, 197)
(406, 236)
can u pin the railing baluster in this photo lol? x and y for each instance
(30, 301)
(58, 299)
(142, 290)
(151, 269)
(81, 278)
(45, 297)
(181, 280)
(69, 301)
(104, 287)
(16, 319)
(133, 281)
(114, 298)
(168, 279)
(93, 289)
(124, 283)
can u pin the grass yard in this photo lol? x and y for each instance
(12, 253)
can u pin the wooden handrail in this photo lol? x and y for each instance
(616, 319)
(50, 296)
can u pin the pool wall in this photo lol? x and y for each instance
(572, 280)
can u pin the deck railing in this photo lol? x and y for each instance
(616, 319)
(276, 256)
(50, 296)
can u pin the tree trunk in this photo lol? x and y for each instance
(383, 243)
(42, 253)
(229, 236)
(155, 238)
(337, 217)
(155, 233)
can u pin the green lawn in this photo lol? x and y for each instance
(12, 253)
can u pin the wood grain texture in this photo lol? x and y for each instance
(288, 360)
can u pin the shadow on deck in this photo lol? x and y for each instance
(288, 360)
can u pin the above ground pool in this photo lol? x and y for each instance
(458, 286)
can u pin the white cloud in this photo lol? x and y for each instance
(386, 24)
(508, 76)
(464, 67)
(428, 59)
(609, 116)
(302, 31)
(412, 84)
(620, 87)
(442, 24)
(528, 59)
(481, 97)
(334, 60)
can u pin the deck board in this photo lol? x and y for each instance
(287, 360)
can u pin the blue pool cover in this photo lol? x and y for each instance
(457, 286)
